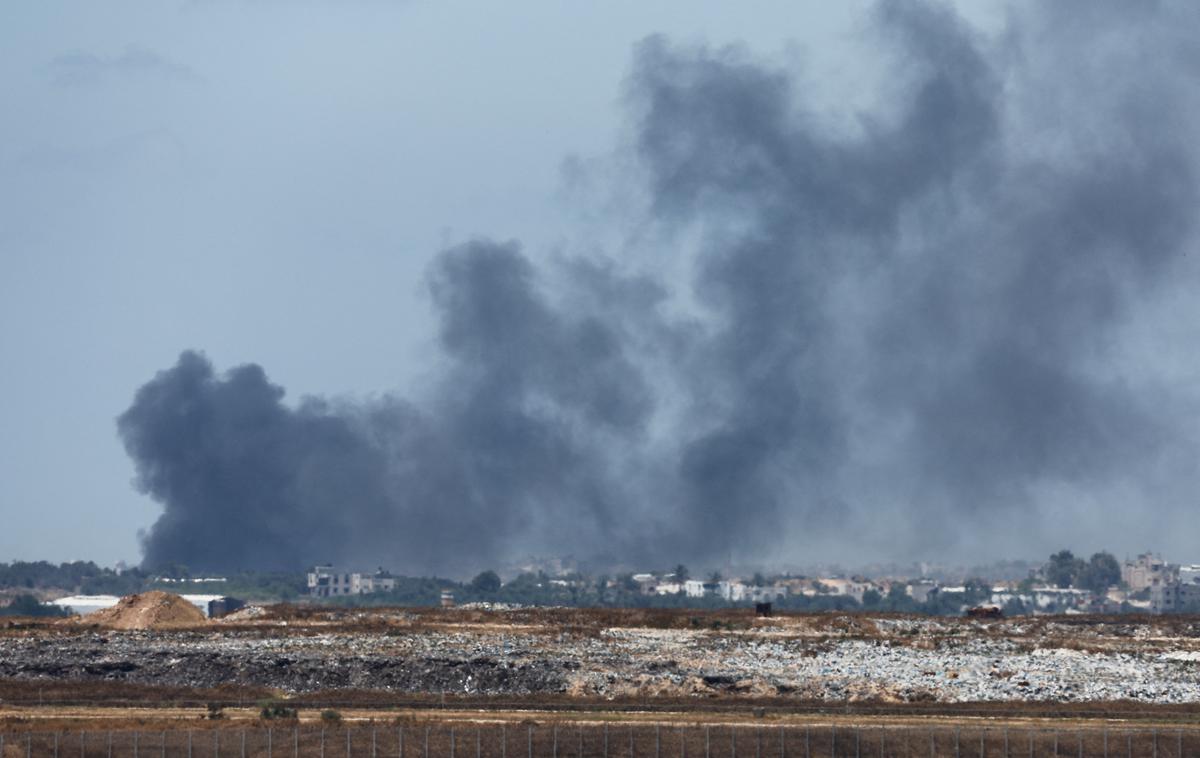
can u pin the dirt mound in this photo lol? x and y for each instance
(149, 610)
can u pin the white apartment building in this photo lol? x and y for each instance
(325, 581)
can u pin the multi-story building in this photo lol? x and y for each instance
(1146, 572)
(325, 581)
(1189, 574)
(1175, 597)
(1180, 593)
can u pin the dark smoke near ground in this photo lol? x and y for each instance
(923, 332)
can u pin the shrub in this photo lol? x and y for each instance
(273, 709)
(331, 716)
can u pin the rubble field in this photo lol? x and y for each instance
(612, 654)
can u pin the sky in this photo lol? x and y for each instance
(333, 190)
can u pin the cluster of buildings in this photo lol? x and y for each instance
(1169, 588)
(763, 590)
(1148, 584)
(730, 590)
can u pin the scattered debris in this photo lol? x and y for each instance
(539, 652)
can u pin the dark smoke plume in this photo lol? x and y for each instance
(918, 334)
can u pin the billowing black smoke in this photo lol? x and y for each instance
(897, 336)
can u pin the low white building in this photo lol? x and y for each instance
(732, 591)
(921, 589)
(85, 604)
(690, 587)
(203, 602)
(647, 583)
(852, 587)
(1064, 598)
(736, 592)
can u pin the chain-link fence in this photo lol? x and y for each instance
(569, 740)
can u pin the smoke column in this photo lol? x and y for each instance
(923, 333)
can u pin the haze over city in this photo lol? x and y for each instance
(434, 287)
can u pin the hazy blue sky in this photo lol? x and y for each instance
(269, 182)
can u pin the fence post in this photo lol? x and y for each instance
(882, 739)
(733, 742)
(605, 742)
(982, 748)
(630, 742)
(1030, 744)
(807, 742)
(478, 743)
(529, 742)
(857, 741)
(957, 734)
(707, 742)
(135, 745)
(1128, 745)
(503, 741)
(399, 742)
(1005, 742)
(216, 744)
(56, 744)
(682, 742)
(1179, 743)
(1055, 753)
(347, 743)
(833, 740)
(1106, 743)
(270, 739)
(1154, 742)
(426, 742)
(782, 747)
(189, 752)
(322, 742)
(1080, 744)
(29, 737)
(554, 749)
(163, 751)
(933, 746)
(243, 743)
(372, 743)
(657, 746)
